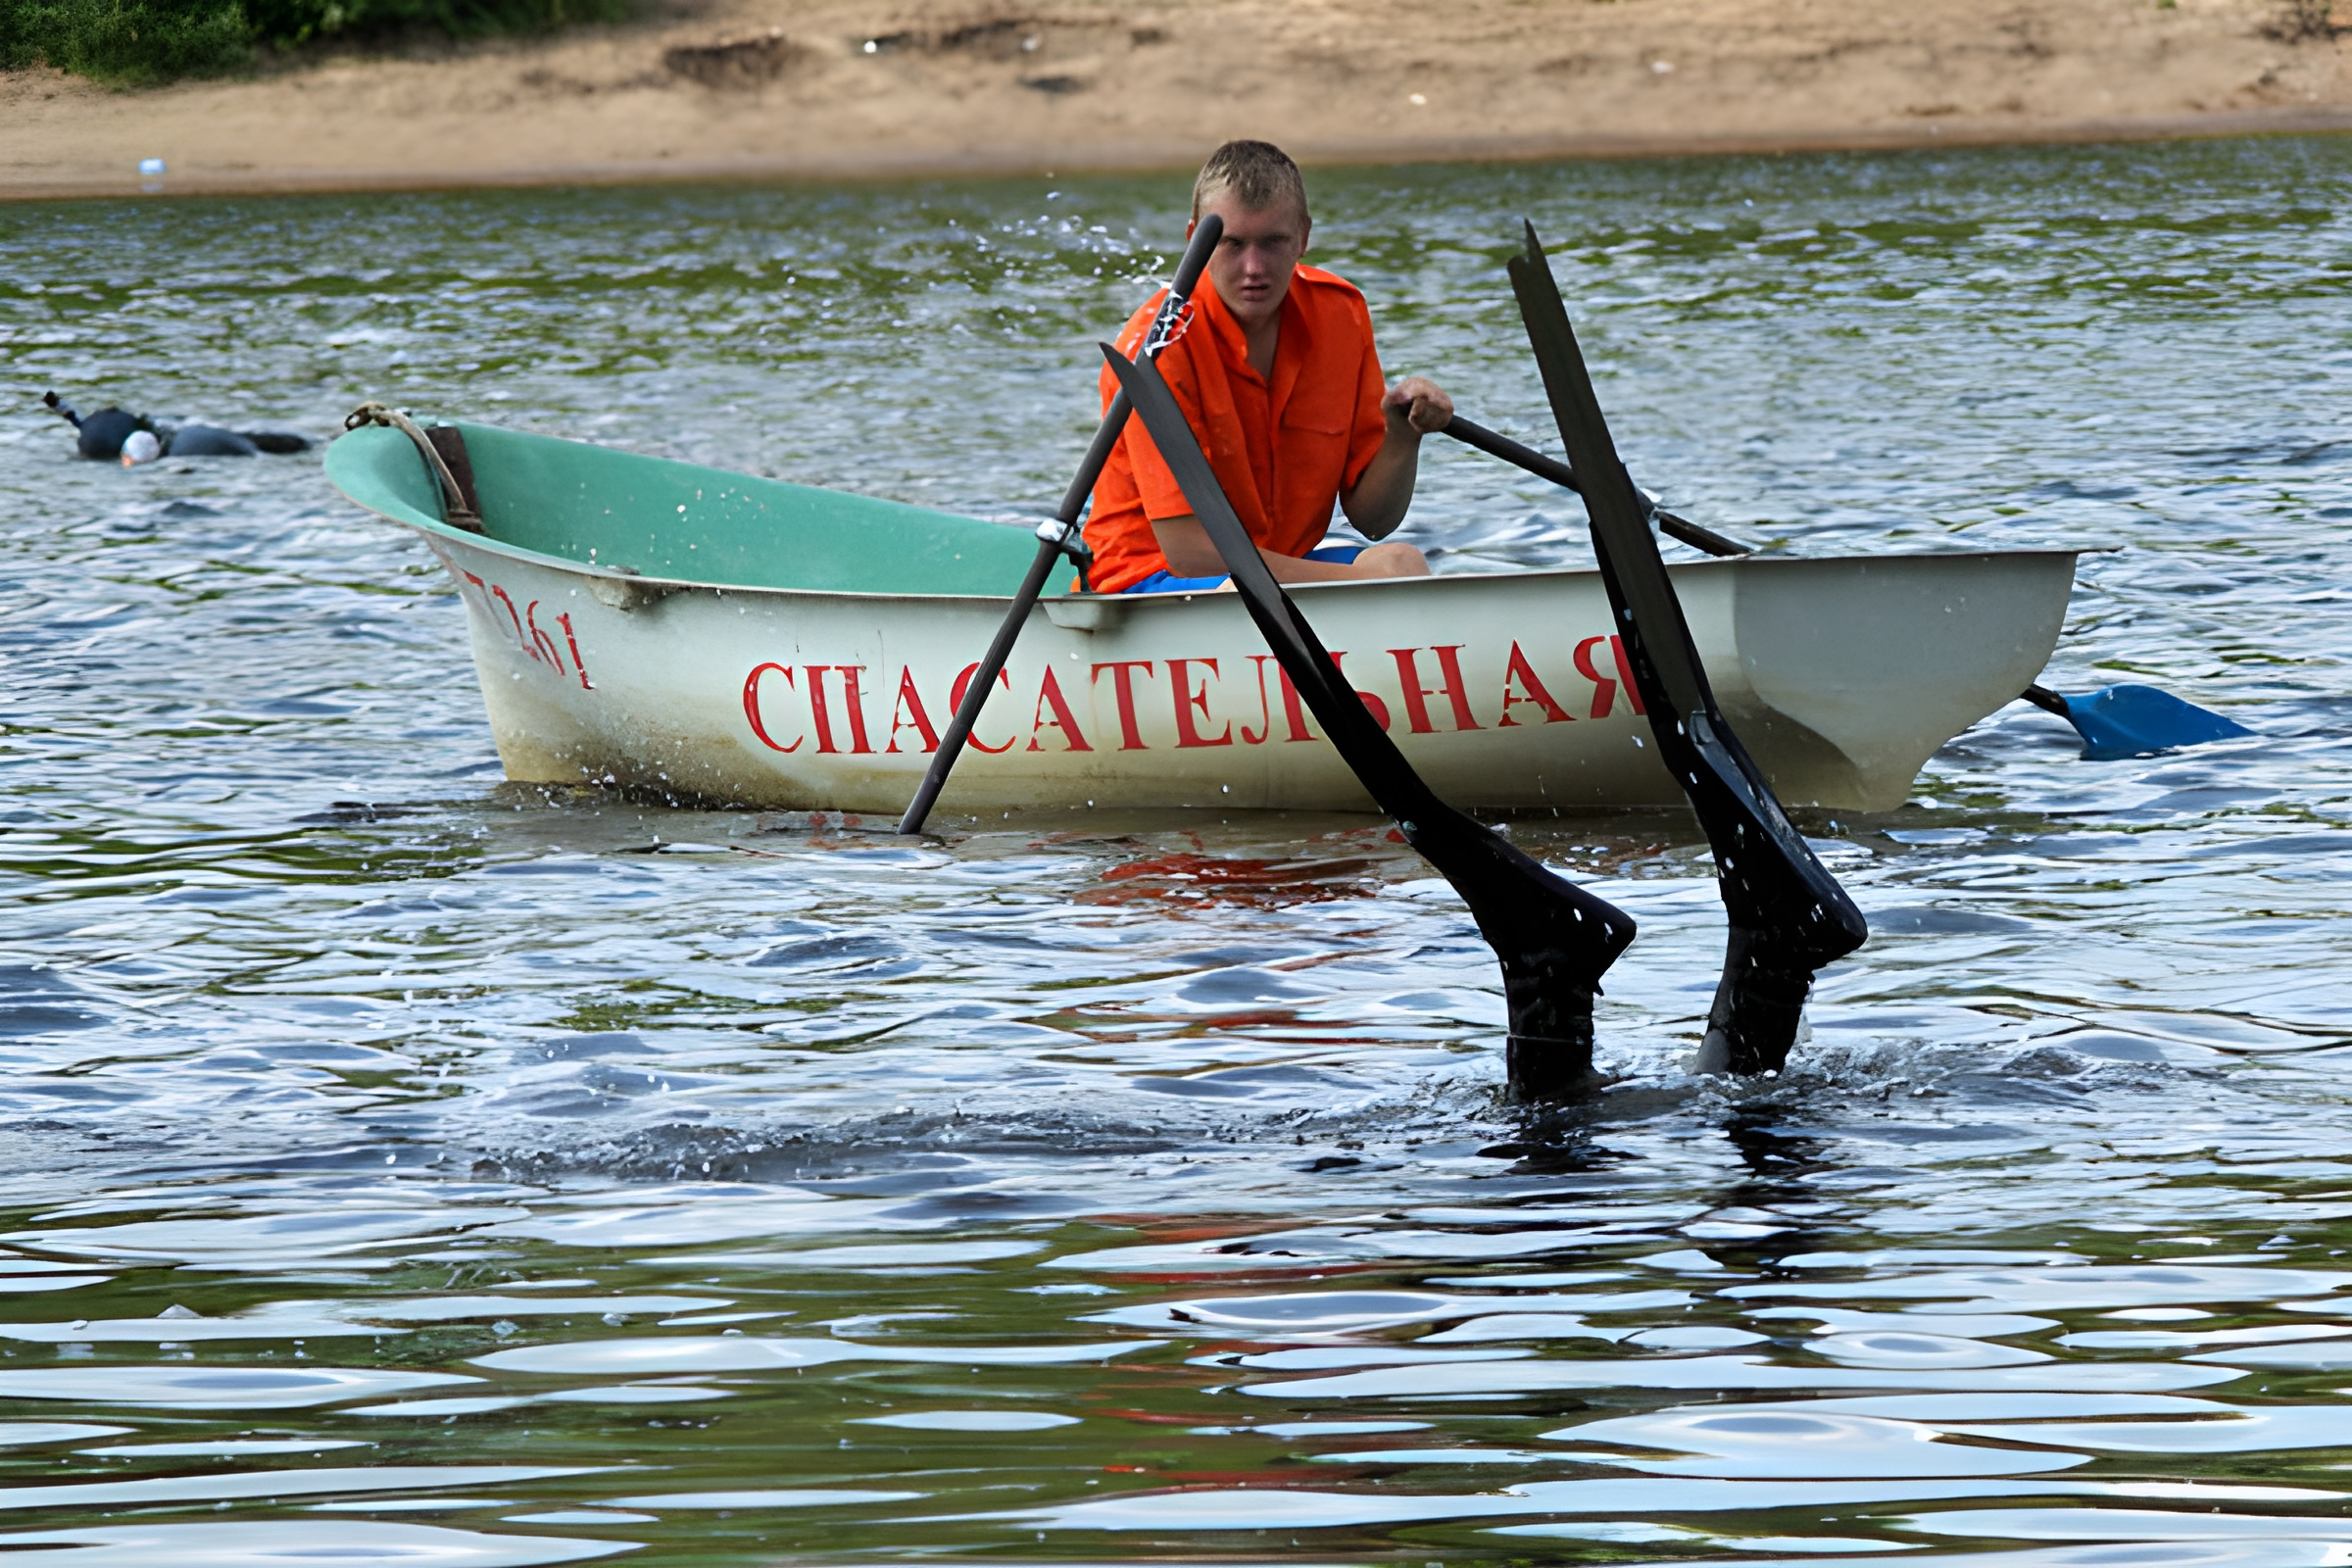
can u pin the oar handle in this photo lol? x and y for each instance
(1052, 540)
(1494, 445)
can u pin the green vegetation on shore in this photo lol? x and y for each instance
(144, 42)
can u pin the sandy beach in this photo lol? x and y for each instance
(763, 89)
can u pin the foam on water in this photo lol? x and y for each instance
(1797, 1444)
(214, 1487)
(215, 1387)
(971, 1421)
(1891, 1347)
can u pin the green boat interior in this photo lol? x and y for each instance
(657, 517)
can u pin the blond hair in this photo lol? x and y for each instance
(1259, 173)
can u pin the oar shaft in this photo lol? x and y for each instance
(1206, 235)
(2049, 701)
(1494, 445)
(1097, 452)
(983, 677)
(1497, 445)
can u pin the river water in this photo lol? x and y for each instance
(397, 1164)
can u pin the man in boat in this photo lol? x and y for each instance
(1276, 372)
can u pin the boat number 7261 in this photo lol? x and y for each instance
(532, 627)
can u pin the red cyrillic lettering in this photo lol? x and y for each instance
(819, 709)
(911, 702)
(1049, 695)
(750, 705)
(1122, 681)
(1187, 700)
(855, 697)
(1520, 670)
(1294, 712)
(520, 636)
(1416, 695)
(1605, 687)
(1265, 709)
(564, 620)
(540, 641)
(1625, 670)
(963, 683)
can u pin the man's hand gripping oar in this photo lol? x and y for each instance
(1061, 537)
(1554, 939)
(1789, 916)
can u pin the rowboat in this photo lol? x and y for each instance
(638, 622)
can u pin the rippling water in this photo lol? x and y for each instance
(402, 1164)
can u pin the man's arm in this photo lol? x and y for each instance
(1377, 504)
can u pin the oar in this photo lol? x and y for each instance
(2117, 721)
(1559, 473)
(1060, 536)
(1555, 940)
(2114, 721)
(1789, 916)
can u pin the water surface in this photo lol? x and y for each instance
(403, 1163)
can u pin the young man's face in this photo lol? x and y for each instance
(1251, 269)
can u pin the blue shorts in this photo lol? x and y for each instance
(1164, 581)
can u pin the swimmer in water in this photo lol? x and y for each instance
(113, 436)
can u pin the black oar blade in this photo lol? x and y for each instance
(1553, 938)
(1789, 916)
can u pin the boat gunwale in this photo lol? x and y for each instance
(671, 586)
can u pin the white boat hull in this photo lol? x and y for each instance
(1842, 675)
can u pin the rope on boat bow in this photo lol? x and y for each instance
(454, 509)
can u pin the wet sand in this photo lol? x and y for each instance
(828, 88)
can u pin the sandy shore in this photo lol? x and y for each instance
(817, 89)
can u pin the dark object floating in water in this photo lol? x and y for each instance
(111, 435)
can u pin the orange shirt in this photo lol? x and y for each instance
(1283, 452)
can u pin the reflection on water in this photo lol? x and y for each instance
(404, 1166)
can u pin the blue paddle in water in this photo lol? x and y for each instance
(2117, 721)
